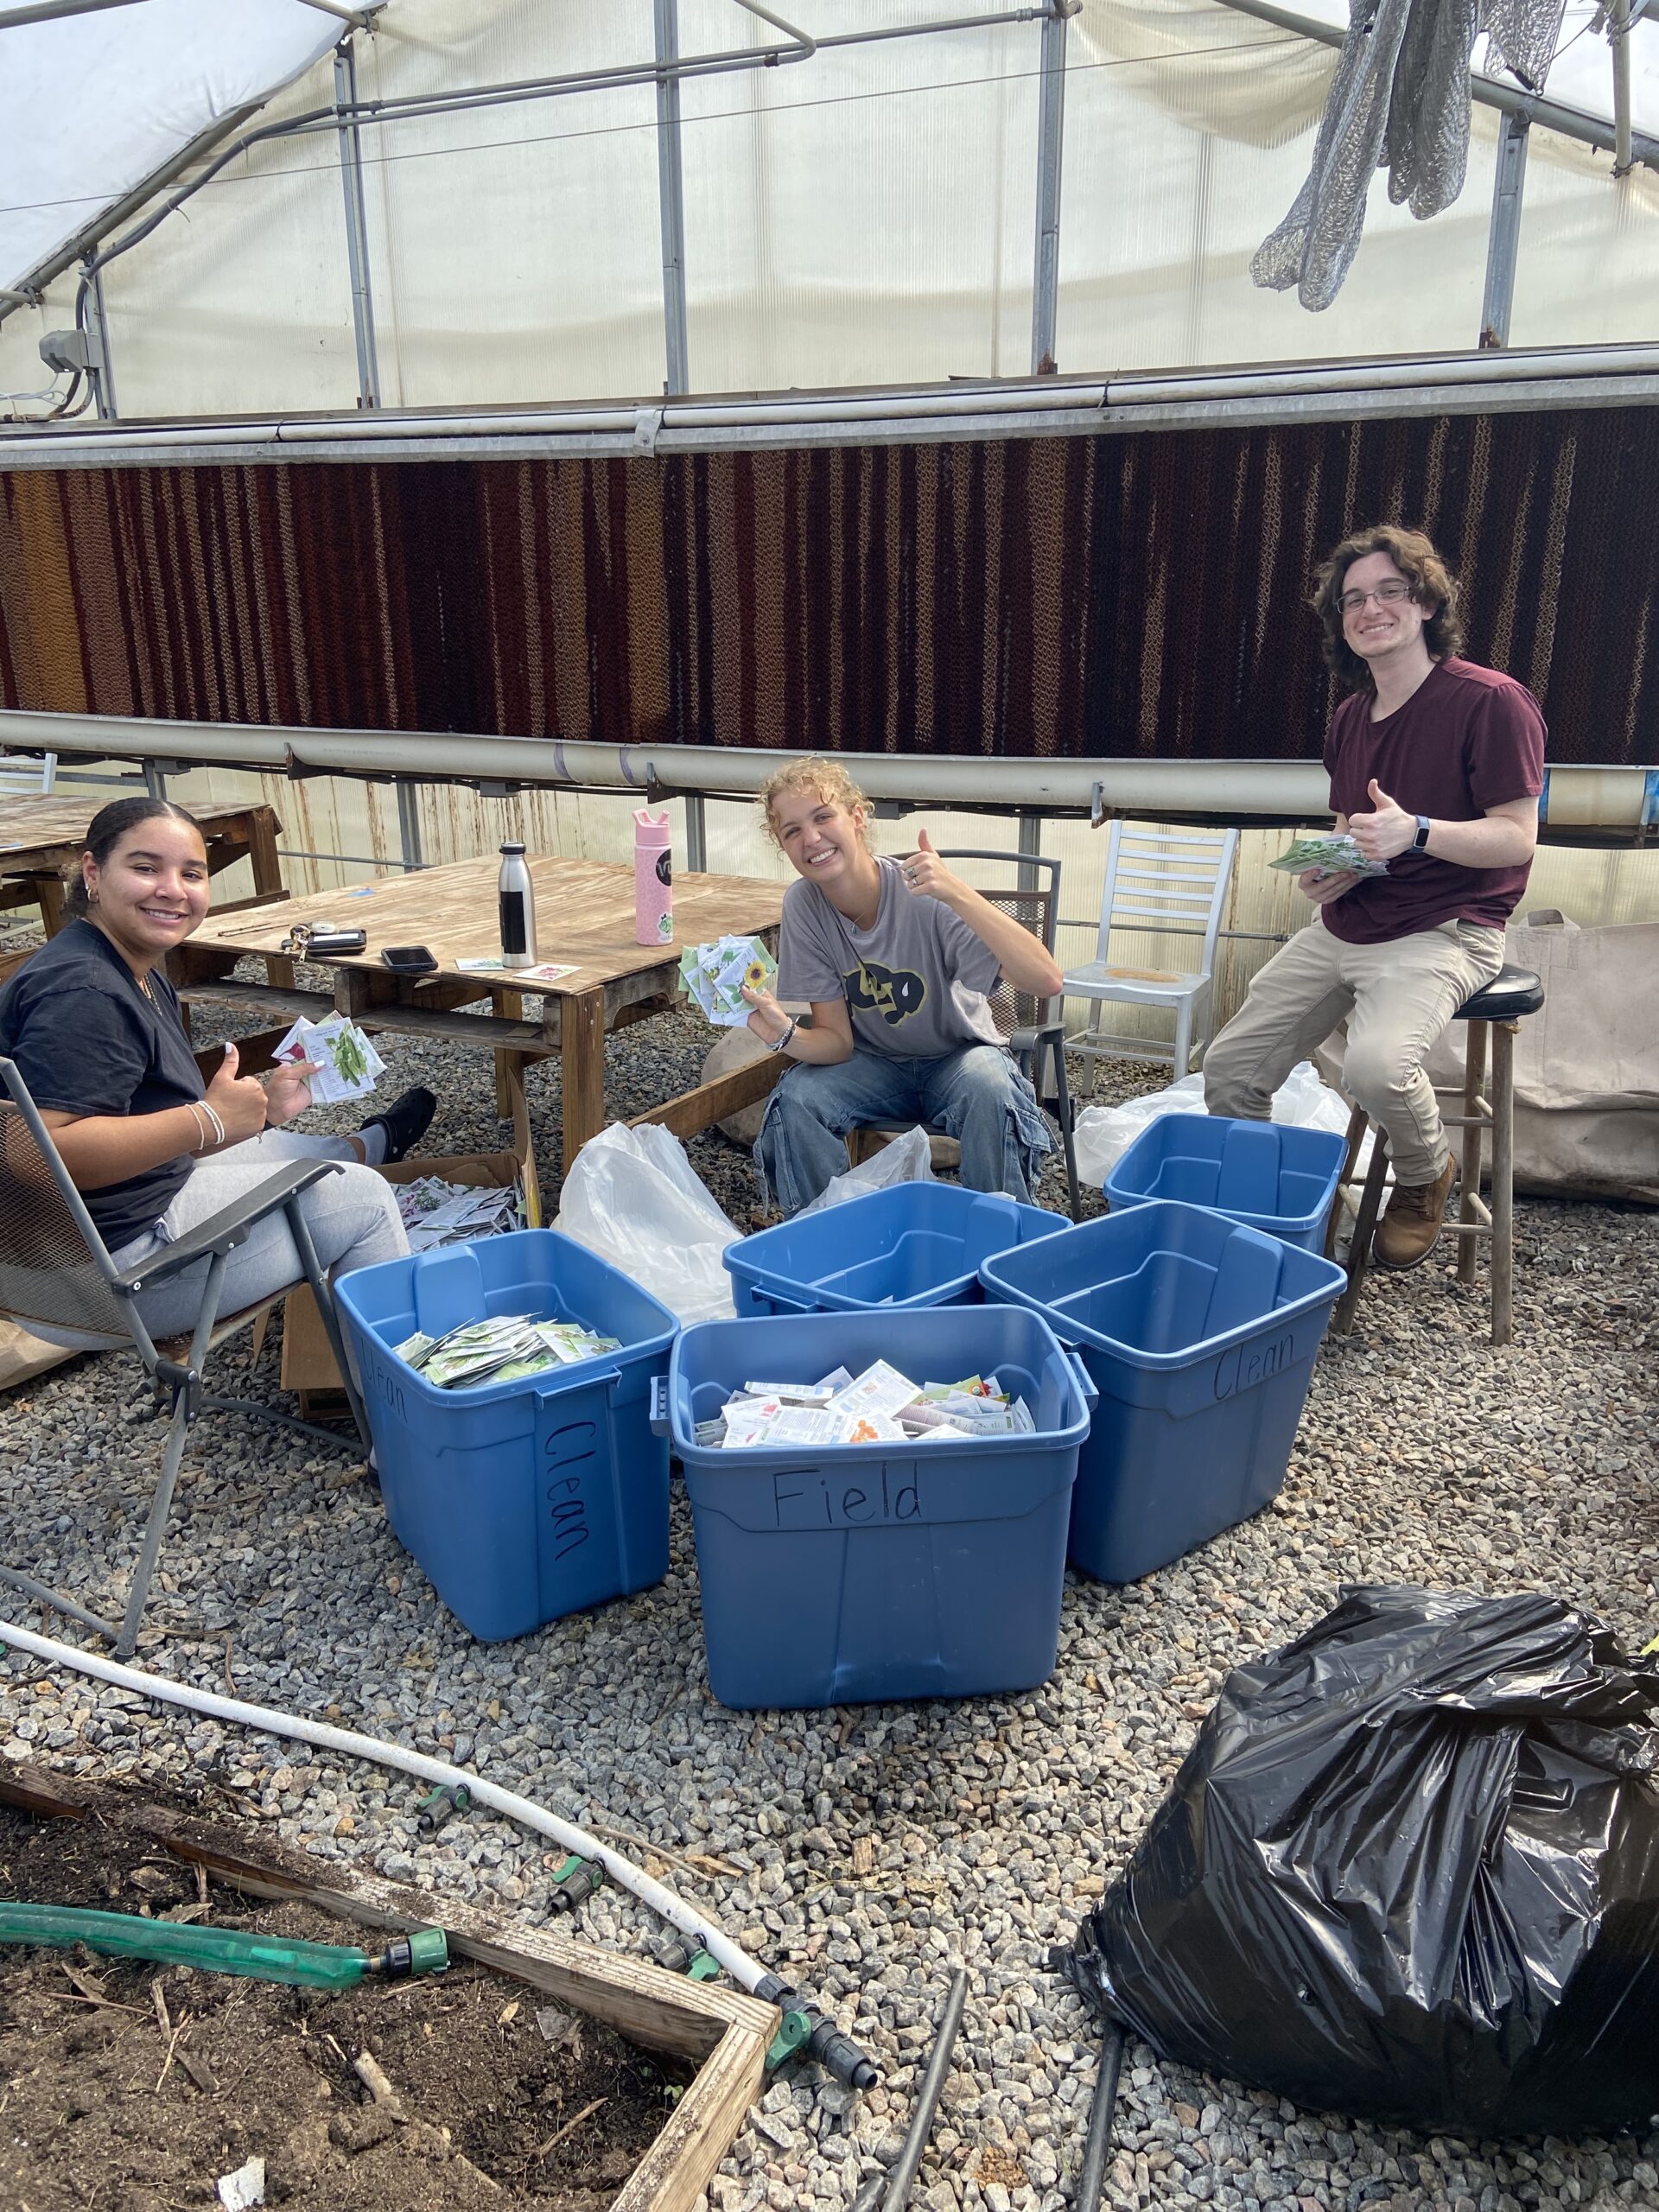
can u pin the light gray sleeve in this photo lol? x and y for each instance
(807, 965)
(967, 957)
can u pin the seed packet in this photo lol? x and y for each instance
(879, 1390)
(793, 1393)
(347, 1063)
(1336, 856)
(869, 1429)
(714, 976)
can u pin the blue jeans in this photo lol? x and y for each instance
(977, 1094)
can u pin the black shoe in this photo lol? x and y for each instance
(405, 1121)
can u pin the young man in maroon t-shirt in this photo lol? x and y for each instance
(1435, 766)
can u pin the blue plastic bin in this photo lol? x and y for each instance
(522, 1501)
(912, 1244)
(1200, 1336)
(1279, 1179)
(861, 1572)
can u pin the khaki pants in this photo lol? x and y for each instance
(1397, 999)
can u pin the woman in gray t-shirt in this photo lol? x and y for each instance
(896, 958)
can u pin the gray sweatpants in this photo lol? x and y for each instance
(352, 1219)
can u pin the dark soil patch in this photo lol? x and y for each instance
(131, 2088)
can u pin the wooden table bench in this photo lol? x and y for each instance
(585, 918)
(41, 839)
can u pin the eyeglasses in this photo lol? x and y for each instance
(1388, 594)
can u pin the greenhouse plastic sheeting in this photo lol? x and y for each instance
(91, 106)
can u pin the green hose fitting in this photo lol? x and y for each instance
(795, 2031)
(221, 1950)
(574, 1881)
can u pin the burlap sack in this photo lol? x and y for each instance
(1586, 1065)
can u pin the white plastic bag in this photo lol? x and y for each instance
(1105, 1134)
(633, 1198)
(908, 1158)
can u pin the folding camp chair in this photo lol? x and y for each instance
(58, 1281)
(1029, 1030)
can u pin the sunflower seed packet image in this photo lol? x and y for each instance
(715, 974)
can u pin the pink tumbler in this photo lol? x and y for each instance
(653, 878)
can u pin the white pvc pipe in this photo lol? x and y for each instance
(690, 1921)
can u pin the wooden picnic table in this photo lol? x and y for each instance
(584, 911)
(41, 838)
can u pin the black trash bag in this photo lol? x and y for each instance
(1410, 1868)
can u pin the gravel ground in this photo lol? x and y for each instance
(987, 1827)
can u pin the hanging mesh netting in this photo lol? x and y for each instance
(1399, 101)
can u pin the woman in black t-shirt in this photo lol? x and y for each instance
(93, 1025)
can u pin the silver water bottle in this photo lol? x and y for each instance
(518, 901)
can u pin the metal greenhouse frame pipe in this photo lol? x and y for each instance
(46, 12)
(1610, 805)
(357, 226)
(670, 191)
(1551, 115)
(1503, 236)
(1051, 142)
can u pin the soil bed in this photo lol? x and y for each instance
(131, 2088)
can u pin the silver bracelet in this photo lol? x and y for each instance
(794, 1024)
(218, 1125)
(201, 1125)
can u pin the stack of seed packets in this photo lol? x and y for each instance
(504, 1350)
(435, 1212)
(347, 1064)
(880, 1406)
(1337, 856)
(713, 975)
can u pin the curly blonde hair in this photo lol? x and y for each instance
(824, 780)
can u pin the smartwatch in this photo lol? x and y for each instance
(1420, 842)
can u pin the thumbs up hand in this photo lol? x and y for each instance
(238, 1099)
(1385, 833)
(926, 874)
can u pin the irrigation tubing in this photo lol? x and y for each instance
(736, 1962)
(892, 2190)
(1098, 2142)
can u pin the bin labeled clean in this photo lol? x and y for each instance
(524, 1500)
(853, 1573)
(1201, 1336)
(1272, 1177)
(912, 1244)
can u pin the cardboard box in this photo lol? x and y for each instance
(307, 1364)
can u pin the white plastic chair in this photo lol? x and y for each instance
(1156, 881)
(22, 778)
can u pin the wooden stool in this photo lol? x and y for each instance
(1498, 1009)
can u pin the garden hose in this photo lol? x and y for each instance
(891, 2190)
(221, 1950)
(834, 2050)
(1098, 2141)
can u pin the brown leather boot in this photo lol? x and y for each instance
(1406, 1233)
